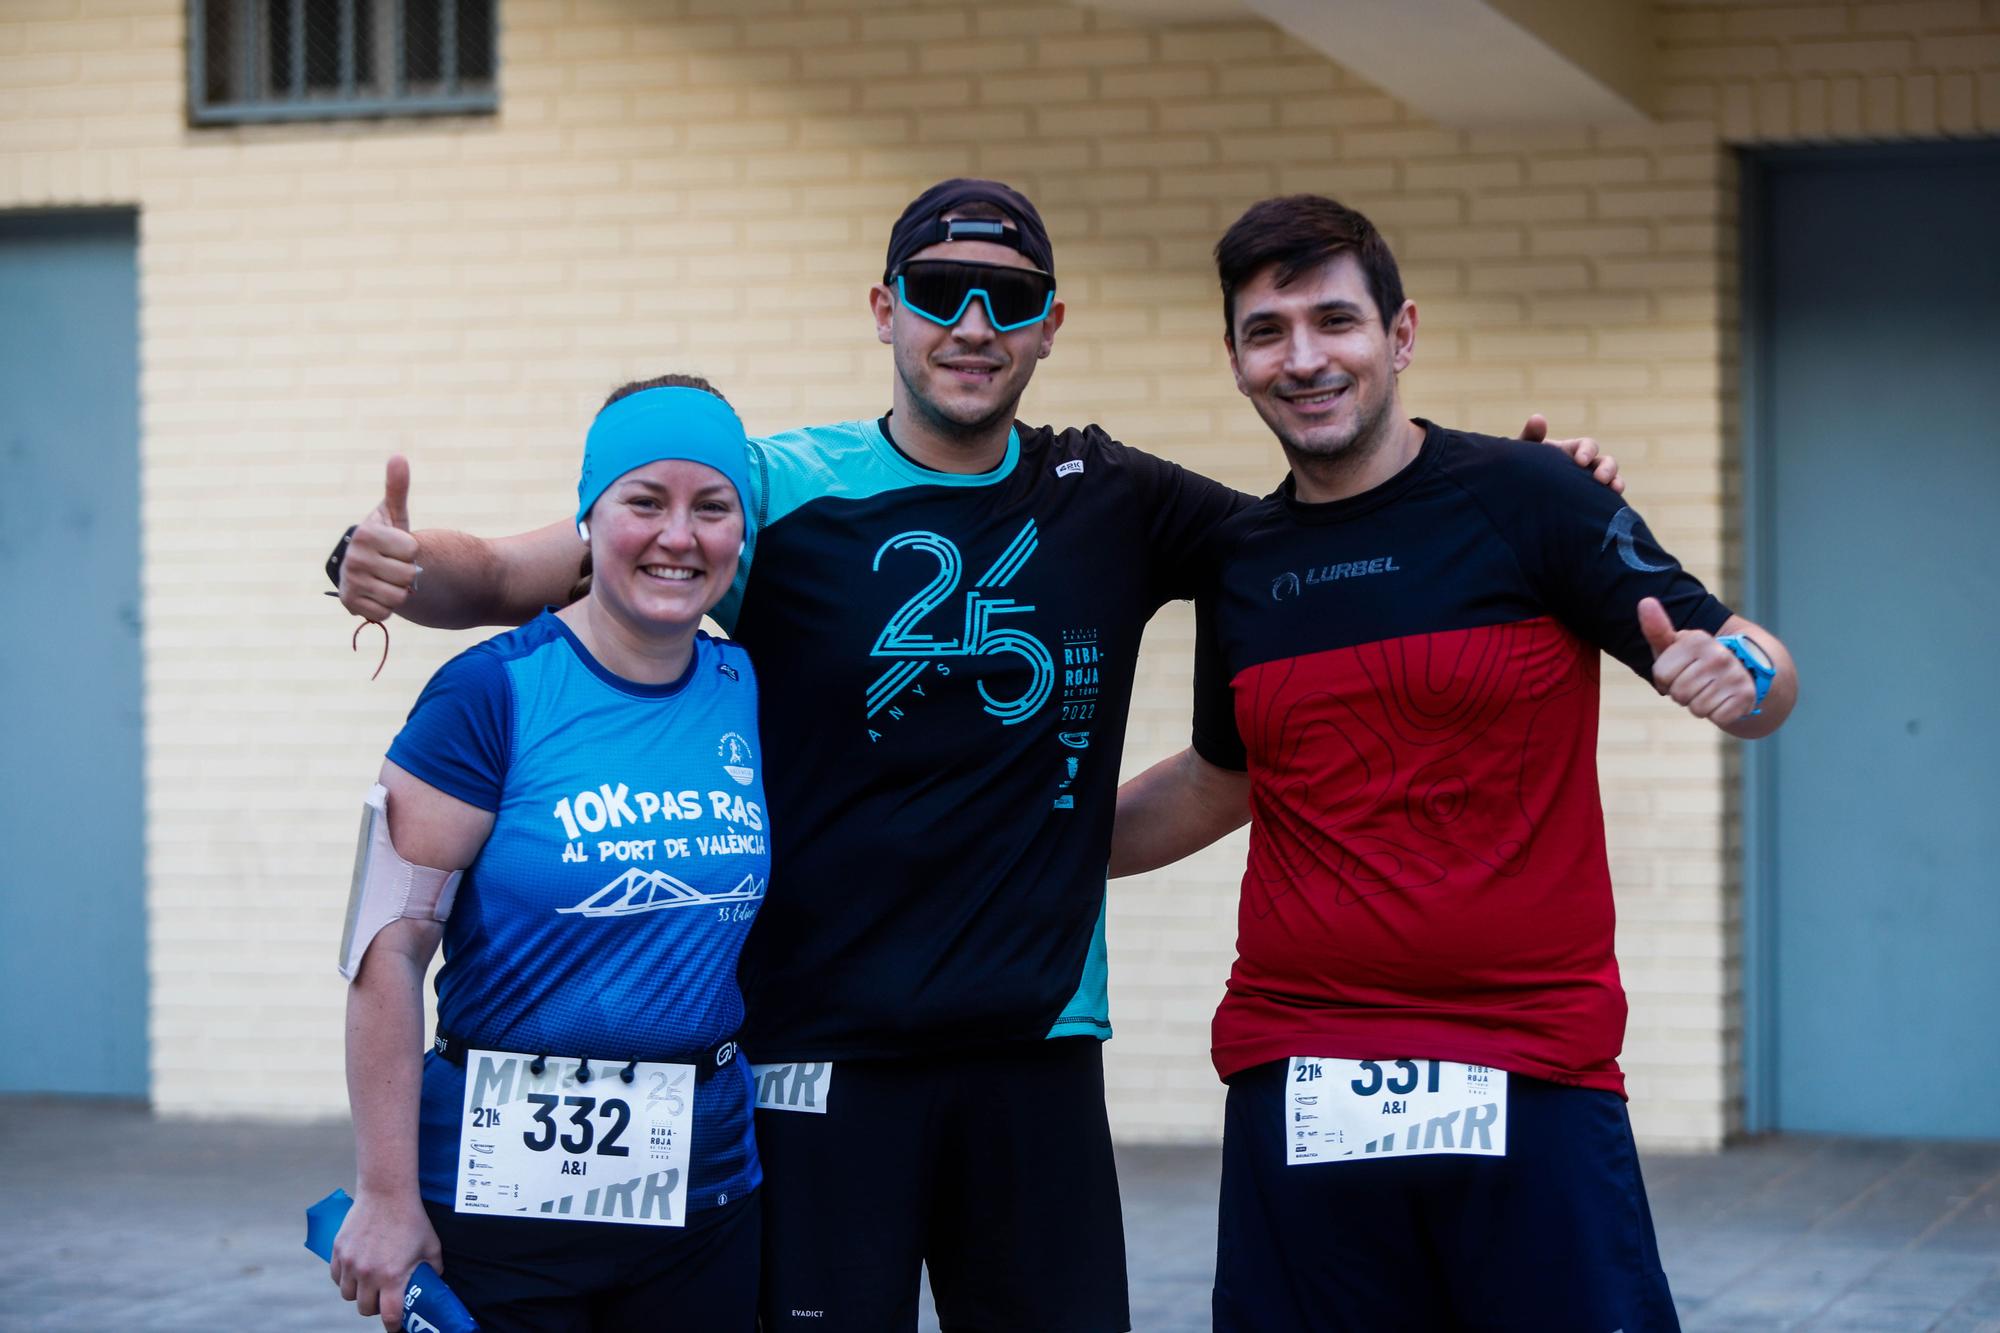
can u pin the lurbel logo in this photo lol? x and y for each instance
(734, 752)
(1070, 469)
(1290, 584)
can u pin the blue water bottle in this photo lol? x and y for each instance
(428, 1305)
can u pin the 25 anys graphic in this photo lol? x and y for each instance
(915, 651)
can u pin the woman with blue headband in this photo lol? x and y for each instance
(574, 1152)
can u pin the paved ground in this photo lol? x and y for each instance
(114, 1222)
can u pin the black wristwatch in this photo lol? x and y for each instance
(339, 554)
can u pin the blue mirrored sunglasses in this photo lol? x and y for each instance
(942, 290)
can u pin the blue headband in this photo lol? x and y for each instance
(656, 424)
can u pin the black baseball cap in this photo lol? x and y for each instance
(922, 224)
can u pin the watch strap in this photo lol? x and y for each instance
(1756, 661)
(333, 561)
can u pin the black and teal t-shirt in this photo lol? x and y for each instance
(946, 663)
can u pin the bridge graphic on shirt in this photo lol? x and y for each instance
(654, 891)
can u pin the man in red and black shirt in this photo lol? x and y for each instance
(1397, 680)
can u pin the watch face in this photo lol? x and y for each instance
(1753, 650)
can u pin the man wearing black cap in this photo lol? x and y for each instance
(944, 607)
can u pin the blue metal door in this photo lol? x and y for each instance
(72, 888)
(1880, 412)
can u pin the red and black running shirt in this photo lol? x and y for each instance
(1410, 676)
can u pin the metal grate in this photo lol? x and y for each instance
(261, 60)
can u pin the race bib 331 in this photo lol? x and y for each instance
(1354, 1110)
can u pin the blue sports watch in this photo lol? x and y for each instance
(1755, 660)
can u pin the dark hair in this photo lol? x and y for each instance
(582, 584)
(1298, 232)
(662, 382)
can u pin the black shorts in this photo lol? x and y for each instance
(1553, 1237)
(533, 1275)
(994, 1168)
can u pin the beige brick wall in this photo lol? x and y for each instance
(465, 290)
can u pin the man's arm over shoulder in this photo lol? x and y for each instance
(1174, 809)
(1581, 450)
(1183, 803)
(452, 580)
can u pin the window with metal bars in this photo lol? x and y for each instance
(262, 60)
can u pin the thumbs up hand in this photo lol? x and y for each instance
(395, 506)
(380, 570)
(1693, 669)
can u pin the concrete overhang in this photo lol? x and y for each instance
(1465, 63)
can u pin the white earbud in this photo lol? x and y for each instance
(583, 530)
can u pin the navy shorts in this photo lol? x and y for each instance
(992, 1167)
(535, 1275)
(1555, 1237)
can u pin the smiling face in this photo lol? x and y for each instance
(964, 380)
(1317, 361)
(664, 541)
